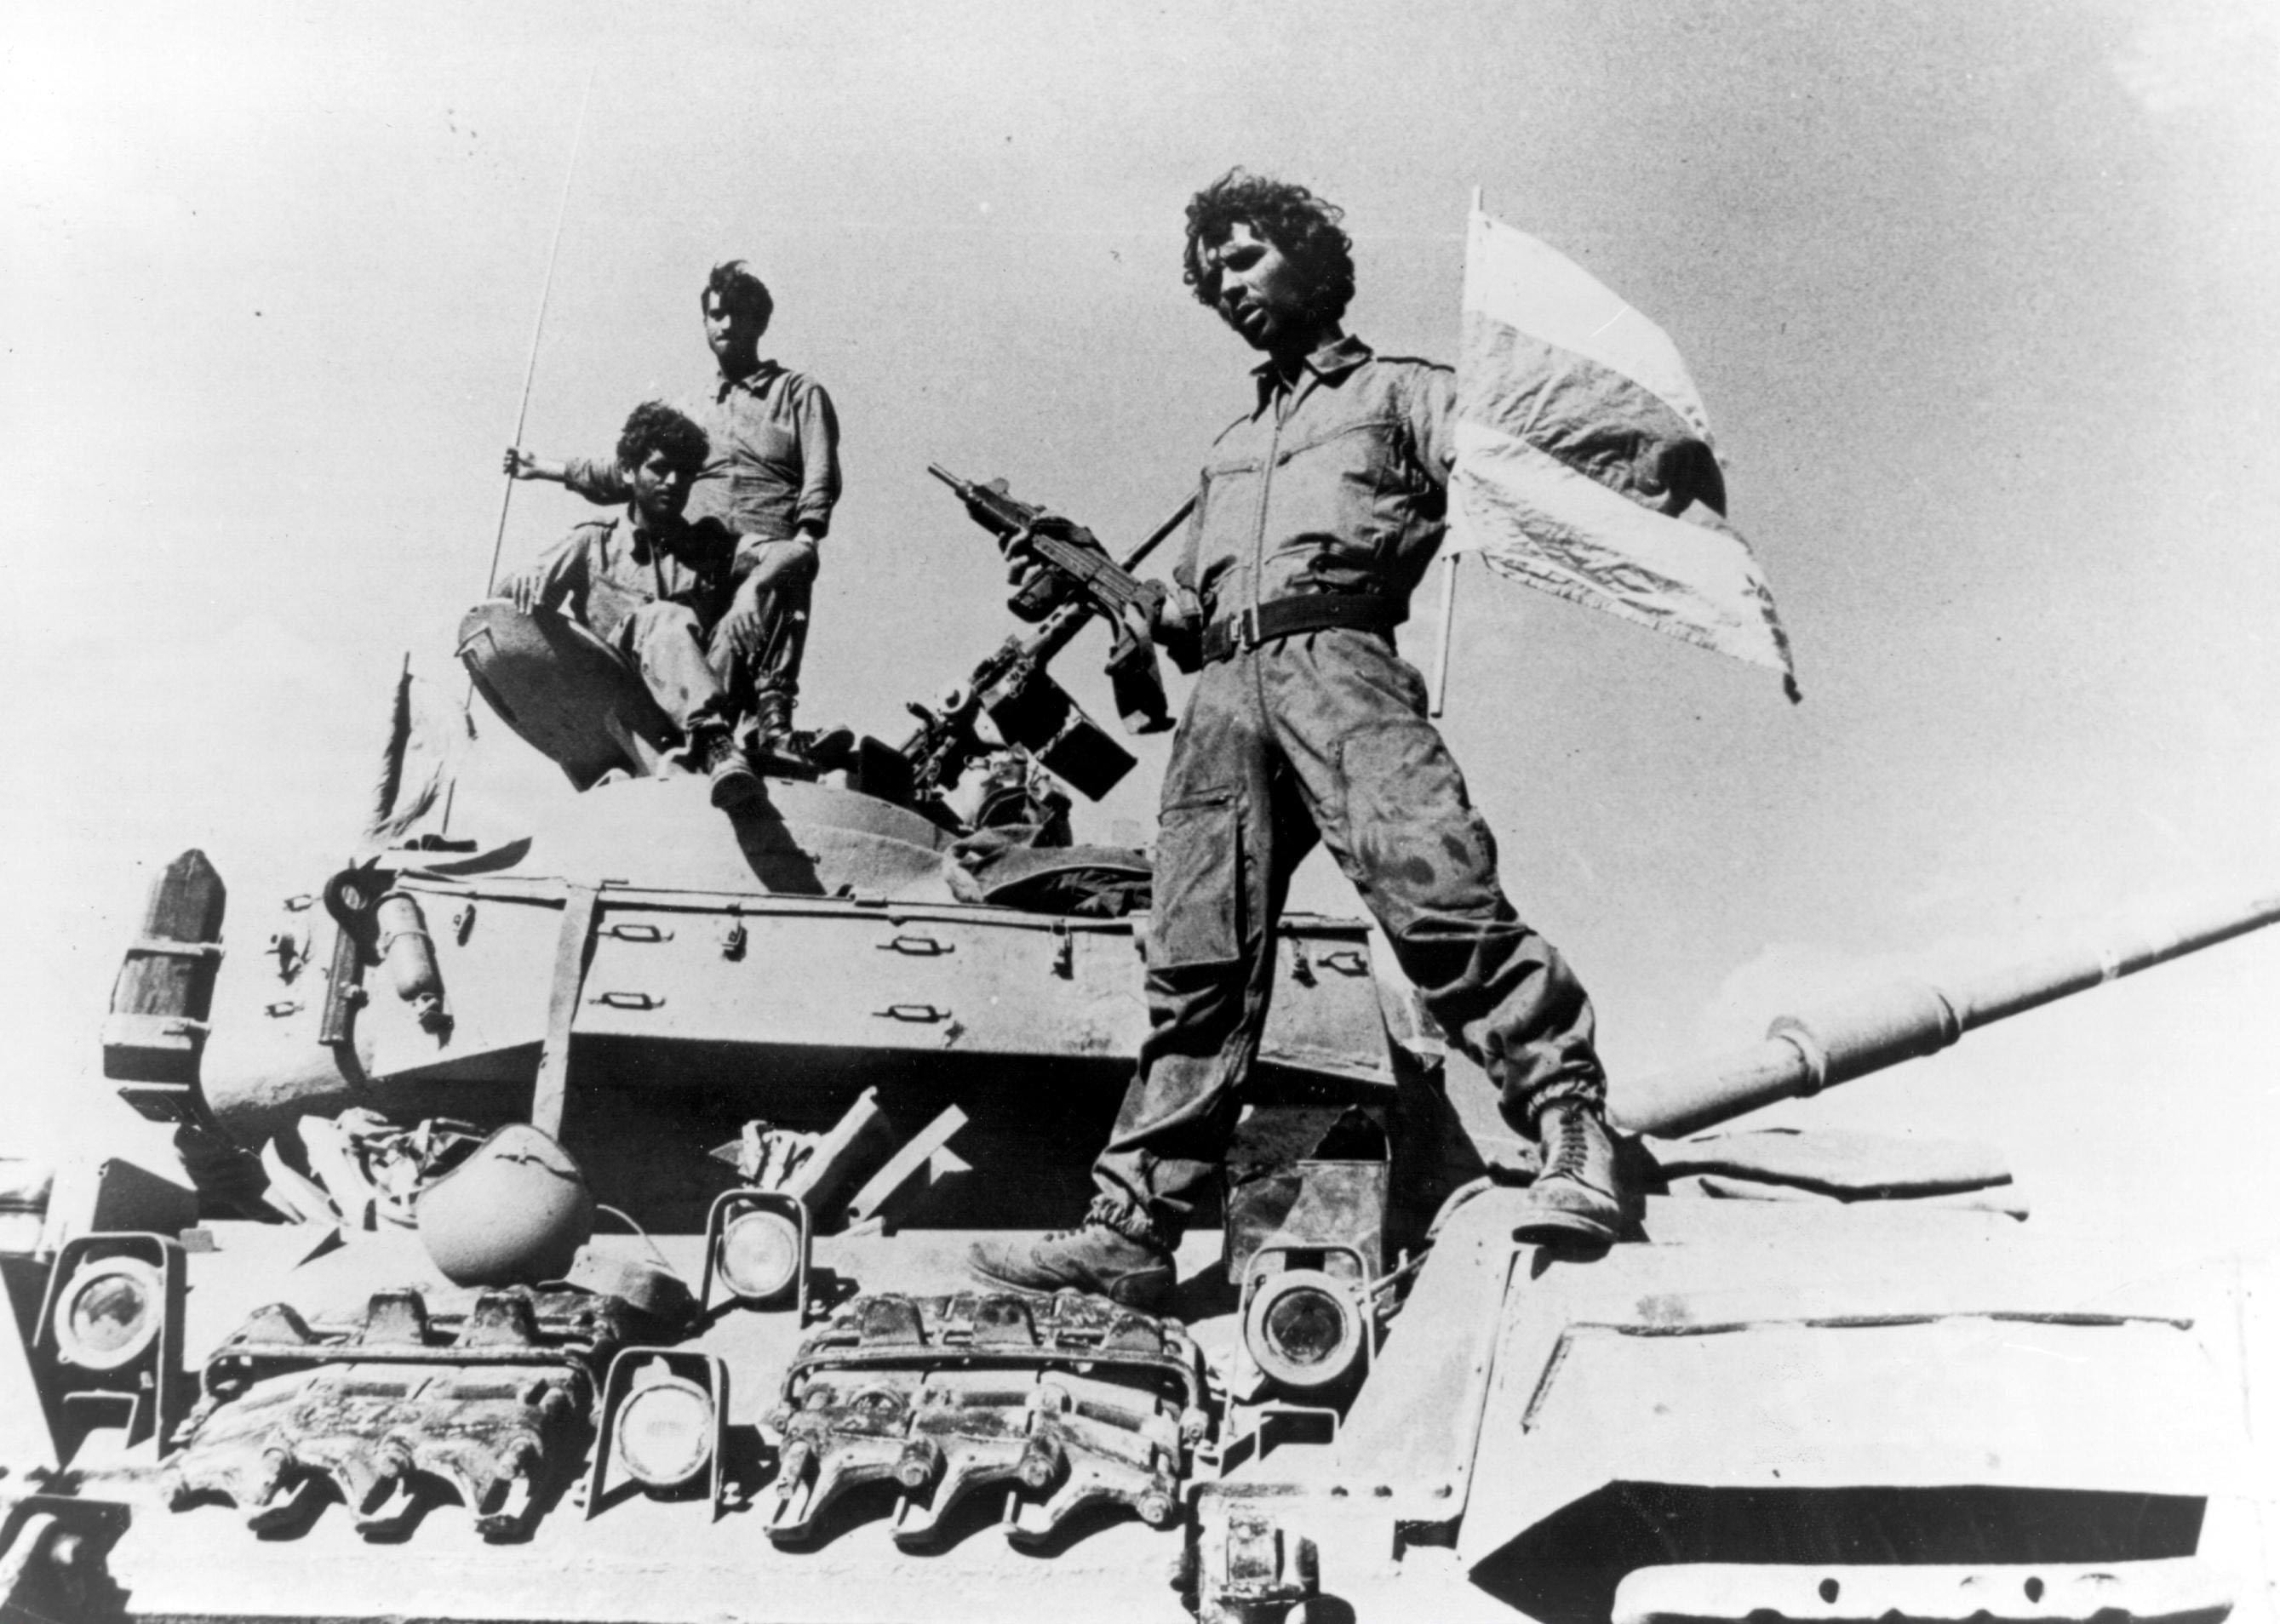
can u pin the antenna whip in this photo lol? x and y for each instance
(545, 293)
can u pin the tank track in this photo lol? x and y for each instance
(1065, 1404)
(397, 1405)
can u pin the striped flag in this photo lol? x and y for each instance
(1584, 463)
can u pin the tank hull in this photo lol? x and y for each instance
(1533, 1432)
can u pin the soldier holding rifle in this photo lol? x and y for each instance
(1318, 512)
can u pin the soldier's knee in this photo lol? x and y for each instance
(659, 618)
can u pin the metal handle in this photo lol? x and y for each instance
(917, 946)
(919, 1014)
(630, 1000)
(635, 930)
(1347, 961)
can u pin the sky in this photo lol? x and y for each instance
(1977, 293)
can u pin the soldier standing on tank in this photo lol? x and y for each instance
(657, 587)
(773, 478)
(1318, 512)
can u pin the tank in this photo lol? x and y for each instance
(569, 1227)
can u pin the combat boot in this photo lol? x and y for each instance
(1096, 1257)
(716, 755)
(1578, 1199)
(776, 749)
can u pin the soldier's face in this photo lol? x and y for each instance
(661, 488)
(1255, 288)
(732, 333)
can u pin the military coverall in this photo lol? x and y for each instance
(657, 598)
(772, 472)
(1335, 485)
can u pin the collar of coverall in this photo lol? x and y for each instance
(1329, 363)
(756, 380)
(675, 543)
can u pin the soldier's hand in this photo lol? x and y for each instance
(1026, 574)
(519, 464)
(522, 592)
(1179, 629)
(1037, 586)
(1022, 563)
(775, 563)
(742, 622)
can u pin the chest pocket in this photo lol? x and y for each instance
(1340, 496)
(765, 449)
(1219, 535)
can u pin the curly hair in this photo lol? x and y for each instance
(738, 290)
(1303, 226)
(656, 427)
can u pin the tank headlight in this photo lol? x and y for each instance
(1304, 1328)
(665, 1430)
(760, 1253)
(109, 1314)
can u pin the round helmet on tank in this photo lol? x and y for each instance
(513, 1213)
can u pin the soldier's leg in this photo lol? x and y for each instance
(757, 658)
(1223, 865)
(668, 646)
(1233, 830)
(1393, 806)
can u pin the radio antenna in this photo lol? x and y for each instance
(522, 409)
(538, 327)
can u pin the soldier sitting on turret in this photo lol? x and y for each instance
(772, 475)
(657, 588)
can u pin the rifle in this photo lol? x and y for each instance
(1012, 685)
(1079, 572)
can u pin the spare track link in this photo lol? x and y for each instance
(1066, 1403)
(480, 1402)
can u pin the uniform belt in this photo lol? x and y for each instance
(1286, 617)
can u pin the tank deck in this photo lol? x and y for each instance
(640, 1559)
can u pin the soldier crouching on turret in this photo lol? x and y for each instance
(1319, 511)
(771, 477)
(657, 587)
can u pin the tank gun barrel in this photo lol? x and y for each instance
(1904, 1020)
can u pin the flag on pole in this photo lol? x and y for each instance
(428, 737)
(1583, 460)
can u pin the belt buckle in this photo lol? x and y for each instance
(1246, 628)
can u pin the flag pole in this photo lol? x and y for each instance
(1448, 619)
(530, 373)
(1439, 693)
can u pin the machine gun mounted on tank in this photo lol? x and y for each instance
(1012, 686)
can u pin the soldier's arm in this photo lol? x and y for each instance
(520, 464)
(561, 573)
(818, 426)
(1179, 617)
(598, 479)
(1432, 415)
